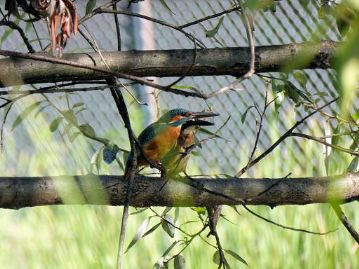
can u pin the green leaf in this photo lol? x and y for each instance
(179, 262)
(353, 166)
(67, 128)
(176, 214)
(139, 234)
(279, 98)
(236, 256)
(216, 257)
(167, 209)
(304, 3)
(8, 31)
(41, 109)
(200, 210)
(90, 6)
(25, 113)
(167, 224)
(154, 227)
(69, 115)
(355, 143)
(28, 26)
(226, 264)
(213, 32)
(169, 248)
(243, 118)
(205, 131)
(96, 160)
(80, 110)
(235, 209)
(79, 104)
(336, 138)
(300, 77)
(355, 116)
(195, 153)
(87, 130)
(278, 85)
(55, 124)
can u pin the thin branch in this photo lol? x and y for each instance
(209, 17)
(131, 165)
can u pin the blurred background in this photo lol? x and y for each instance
(86, 236)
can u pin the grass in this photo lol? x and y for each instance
(87, 236)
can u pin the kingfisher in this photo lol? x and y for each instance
(167, 140)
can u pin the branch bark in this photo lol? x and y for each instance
(164, 63)
(19, 192)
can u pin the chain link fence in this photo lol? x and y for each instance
(290, 22)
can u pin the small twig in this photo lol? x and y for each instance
(283, 226)
(344, 220)
(215, 134)
(118, 29)
(322, 141)
(188, 242)
(243, 203)
(16, 27)
(163, 23)
(170, 223)
(282, 138)
(213, 217)
(130, 166)
(260, 125)
(246, 16)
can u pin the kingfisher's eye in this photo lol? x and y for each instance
(187, 114)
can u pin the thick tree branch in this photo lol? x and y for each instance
(21, 192)
(165, 63)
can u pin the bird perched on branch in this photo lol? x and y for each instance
(57, 12)
(168, 141)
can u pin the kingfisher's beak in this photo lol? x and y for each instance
(197, 115)
(196, 119)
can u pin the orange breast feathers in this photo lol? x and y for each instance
(162, 143)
